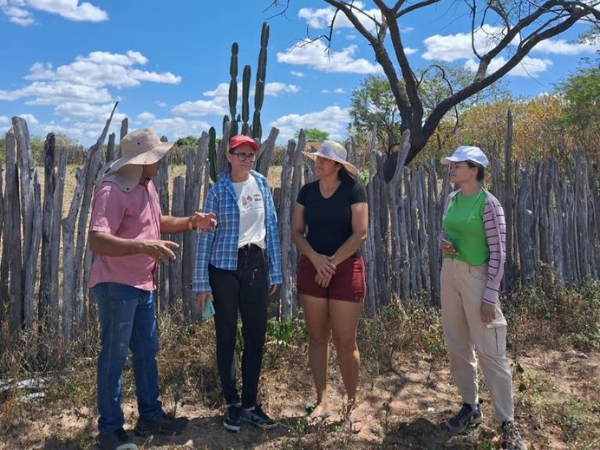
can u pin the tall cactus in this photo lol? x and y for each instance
(261, 74)
(233, 89)
(212, 153)
(245, 94)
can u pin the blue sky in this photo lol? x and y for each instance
(167, 63)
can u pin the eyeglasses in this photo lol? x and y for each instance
(245, 156)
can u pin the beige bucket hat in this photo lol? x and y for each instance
(139, 148)
(334, 151)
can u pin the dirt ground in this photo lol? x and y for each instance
(401, 409)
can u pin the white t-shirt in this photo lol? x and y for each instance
(252, 213)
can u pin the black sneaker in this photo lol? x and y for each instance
(232, 420)
(511, 438)
(257, 417)
(168, 424)
(117, 440)
(465, 418)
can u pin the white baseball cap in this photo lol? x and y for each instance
(467, 153)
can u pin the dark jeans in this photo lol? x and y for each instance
(245, 289)
(127, 321)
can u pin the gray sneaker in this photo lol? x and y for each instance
(511, 438)
(258, 418)
(232, 420)
(117, 440)
(465, 418)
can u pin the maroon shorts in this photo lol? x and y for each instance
(347, 284)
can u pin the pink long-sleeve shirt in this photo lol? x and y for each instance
(495, 232)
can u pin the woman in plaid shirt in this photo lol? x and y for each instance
(239, 265)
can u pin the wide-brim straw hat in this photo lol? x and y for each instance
(139, 148)
(334, 151)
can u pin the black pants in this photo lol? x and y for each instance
(245, 289)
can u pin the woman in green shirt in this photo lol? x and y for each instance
(473, 245)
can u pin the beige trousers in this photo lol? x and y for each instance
(462, 288)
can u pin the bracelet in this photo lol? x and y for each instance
(191, 225)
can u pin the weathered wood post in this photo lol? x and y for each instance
(46, 313)
(75, 239)
(31, 217)
(12, 235)
(287, 298)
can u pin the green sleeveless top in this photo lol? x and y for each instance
(463, 225)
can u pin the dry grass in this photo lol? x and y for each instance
(406, 390)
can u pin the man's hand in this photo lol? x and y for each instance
(205, 222)
(488, 312)
(159, 250)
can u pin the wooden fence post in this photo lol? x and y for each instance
(30, 217)
(290, 163)
(12, 235)
(45, 311)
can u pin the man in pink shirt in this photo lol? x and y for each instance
(125, 231)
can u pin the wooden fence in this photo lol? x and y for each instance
(552, 214)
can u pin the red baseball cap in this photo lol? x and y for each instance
(240, 139)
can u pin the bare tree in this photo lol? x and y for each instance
(519, 26)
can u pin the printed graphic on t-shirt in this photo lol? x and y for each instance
(252, 213)
(248, 203)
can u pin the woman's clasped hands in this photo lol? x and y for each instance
(325, 269)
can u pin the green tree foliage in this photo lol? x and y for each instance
(314, 135)
(188, 141)
(374, 102)
(581, 93)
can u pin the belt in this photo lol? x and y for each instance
(249, 247)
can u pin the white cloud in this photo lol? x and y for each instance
(4, 120)
(410, 51)
(18, 15)
(528, 67)
(30, 119)
(43, 93)
(177, 127)
(86, 79)
(274, 89)
(297, 74)
(102, 69)
(90, 116)
(199, 108)
(315, 55)
(20, 11)
(128, 59)
(332, 119)
(335, 91)
(161, 104)
(562, 47)
(459, 46)
(222, 90)
(146, 116)
(321, 18)
(219, 99)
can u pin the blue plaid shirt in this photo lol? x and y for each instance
(220, 247)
